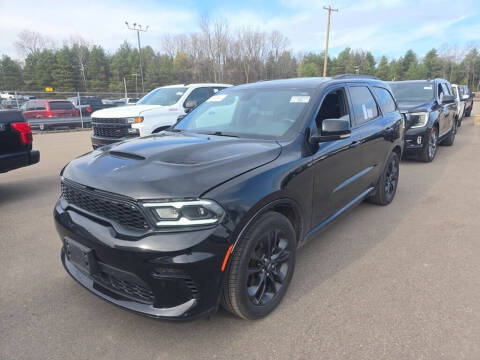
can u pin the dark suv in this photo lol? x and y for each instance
(172, 224)
(432, 115)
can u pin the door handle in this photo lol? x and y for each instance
(354, 144)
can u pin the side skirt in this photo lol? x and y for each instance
(335, 215)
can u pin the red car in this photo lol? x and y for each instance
(40, 109)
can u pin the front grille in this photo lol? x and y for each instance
(129, 289)
(192, 287)
(122, 212)
(114, 128)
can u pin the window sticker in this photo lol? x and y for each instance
(217, 98)
(300, 99)
(370, 113)
(427, 88)
(364, 109)
(215, 91)
(180, 93)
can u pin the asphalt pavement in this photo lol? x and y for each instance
(395, 282)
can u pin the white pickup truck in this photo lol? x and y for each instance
(156, 111)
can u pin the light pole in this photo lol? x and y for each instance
(329, 9)
(137, 27)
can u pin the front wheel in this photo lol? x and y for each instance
(261, 267)
(387, 185)
(451, 135)
(429, 149)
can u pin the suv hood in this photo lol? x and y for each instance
(412, 107)
(169, 165)
(126, 111)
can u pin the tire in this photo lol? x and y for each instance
(451, 135)
(255, 295)
(468, 113)
(430, 146)
(388, 182)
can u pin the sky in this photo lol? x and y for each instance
(387, 27)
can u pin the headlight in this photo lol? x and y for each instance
(418, 119)
(135, 120)
(185, 213)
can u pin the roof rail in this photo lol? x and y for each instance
(355, 76)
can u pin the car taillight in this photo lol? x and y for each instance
(48, 113)
(89, 109)
(25, 131)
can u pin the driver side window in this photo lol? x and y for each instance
(334, 106)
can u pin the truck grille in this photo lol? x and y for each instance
(113, 128)
(122, 212)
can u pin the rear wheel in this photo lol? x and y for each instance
(429, 149)
(467, 113)
(387, 185)
(261, 267)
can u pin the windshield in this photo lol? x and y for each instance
(257, 113)
(414, 92)
(163, 96)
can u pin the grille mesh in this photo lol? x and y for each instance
(122, 212)
(116, 127)
(128, 288)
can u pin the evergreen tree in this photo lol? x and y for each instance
(10, 74)
(383, 69)
(66, 72)
(97, 69)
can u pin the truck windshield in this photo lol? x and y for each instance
(163, 96)
(412, 91)
(251, 113)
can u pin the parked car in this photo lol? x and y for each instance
(12, 103)
(156, 111)
(15, 142)
(88, 104)
(7, 95)
(213, 210)
(127, 101)
(432, 114)
(46, 109)
(460, 101)
(468, 98)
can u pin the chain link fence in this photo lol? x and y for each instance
(46, 110)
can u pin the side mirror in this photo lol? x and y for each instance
(333, 129)
(448, 99)
(472, 94)
(190, 105)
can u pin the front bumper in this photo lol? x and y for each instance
(414, 139)
(17, 160)
(162, 275)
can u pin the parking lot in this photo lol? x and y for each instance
(395, 282)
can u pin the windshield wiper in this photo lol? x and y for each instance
(219, 133)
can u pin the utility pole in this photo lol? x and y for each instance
(137, 27)
(329, 9)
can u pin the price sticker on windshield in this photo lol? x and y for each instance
(427, 88)
(300, 99)
(217, 98)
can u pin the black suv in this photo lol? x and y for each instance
(172, 224)
(432, 115)
(15, 142)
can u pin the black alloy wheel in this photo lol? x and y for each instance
(429, 149)
(261, 267)
(388, 182)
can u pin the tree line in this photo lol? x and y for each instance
(215, 53)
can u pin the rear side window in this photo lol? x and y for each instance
(199, 95)
(385, 100)
(60, 105)
(364, 105)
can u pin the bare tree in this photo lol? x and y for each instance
(81, 49)
(32, 42)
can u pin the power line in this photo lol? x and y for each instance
(137, 27)
(329, 9)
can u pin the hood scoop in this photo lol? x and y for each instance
(127, 155)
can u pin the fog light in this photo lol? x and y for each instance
(419, 140)
(133, 131)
